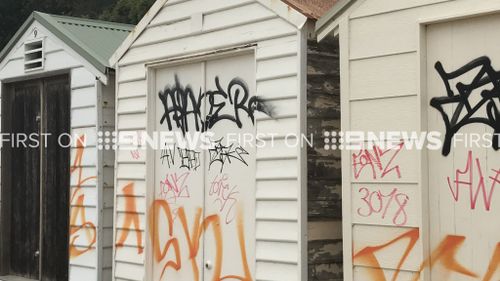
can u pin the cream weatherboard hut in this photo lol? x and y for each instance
(232, 212)
(424, 66)
(57, 202)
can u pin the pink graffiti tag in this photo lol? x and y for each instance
(379, 161)
(224, 196)
(174, 187)
(466, 179)
(379, 203)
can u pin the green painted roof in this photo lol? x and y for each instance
(94, 40)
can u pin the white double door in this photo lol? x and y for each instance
(209, 191)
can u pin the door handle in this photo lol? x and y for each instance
(208, 265)
(37, 254)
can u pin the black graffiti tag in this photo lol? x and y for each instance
(483, 112)
(181, 105)
(189, 159)
(226, 154)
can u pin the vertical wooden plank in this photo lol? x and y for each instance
(56, 180)
(344, 40)
(25, 179)
(5, 221)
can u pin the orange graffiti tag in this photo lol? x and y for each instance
(131, 217)
(367, 255)
(444, 254)
(78, 208)
(193, 238)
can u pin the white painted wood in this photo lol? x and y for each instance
(382, 115)
(280, 127)
(370, 8)
(276, 66)
(366, 273)
(277, 48)
(276, 271)
(288, 67)
(178, 11)
(344, 45)
(83, 117)
(454, 212)
(132, 89)
(130, 171)
(388, 257)
(266, 169)
(132, 73)
(135, 121)
(267, 251)
(83, 97)
(395, 76)
(132, 105)
(382, 43)
(233, 36)
(277, 190)
(285, 87)
(273, 231)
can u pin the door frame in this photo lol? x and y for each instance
(7, 87)
(469, 10)
(151, 69)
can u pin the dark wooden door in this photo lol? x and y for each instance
(23, 174)
(34, 229)
(56, 180)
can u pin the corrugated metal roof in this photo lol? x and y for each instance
(313, 9)
(94, 40)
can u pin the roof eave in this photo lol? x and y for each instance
(327, 23)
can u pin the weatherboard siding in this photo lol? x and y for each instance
(382, 92)
(225, 24)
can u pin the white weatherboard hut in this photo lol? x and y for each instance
(57, 203)
(232, 212)
(420, 66)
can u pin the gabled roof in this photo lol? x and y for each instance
(94, 40)
(313, 9)
(301, 11)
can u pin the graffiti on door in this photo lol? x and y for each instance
(443, 256)
(485, 111)
(225, 154)
(378, 162)
(176, 229)
(224, 196)
(477, 185)
(182, 104)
